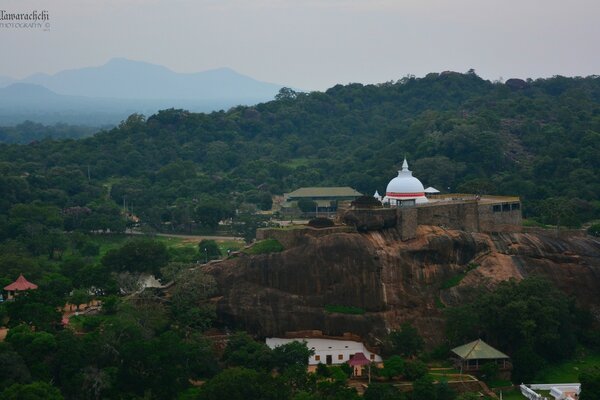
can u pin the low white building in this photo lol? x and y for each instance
(328, 351)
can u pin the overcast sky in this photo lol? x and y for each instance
(312, 44)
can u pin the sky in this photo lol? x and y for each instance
(312, 44)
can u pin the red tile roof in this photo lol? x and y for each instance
(21, 284)
(359, 359)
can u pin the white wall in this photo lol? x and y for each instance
(324, 347)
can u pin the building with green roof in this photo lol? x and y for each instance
(326, 198)
(472, 356)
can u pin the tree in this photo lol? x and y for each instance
(241, 384)
(137, 255)
(307, 205)
(14, 370)
(79, 297)
(415, 369)
(590, 384)
(189, 300)
(424, 389)
(209, 212)
(443, 391)
(31, 391)
(209, 250)
(243, 351)
(381, 391)
(406, 342)
(393, 366)
(291, 354)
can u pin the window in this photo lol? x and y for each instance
(317, 358)
(497, 208)
(340, 357)
(516, 206)
(372, 357)
(505, 207)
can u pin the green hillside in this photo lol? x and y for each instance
(536, 139)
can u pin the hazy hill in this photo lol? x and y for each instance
(108, 93)
(127, 79)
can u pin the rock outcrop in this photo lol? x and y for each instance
(391, 280)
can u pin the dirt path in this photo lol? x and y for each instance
(188, 237)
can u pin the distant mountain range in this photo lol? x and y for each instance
(108, 93)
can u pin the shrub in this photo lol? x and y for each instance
(332, 308)
(366, 202)
(266, 246)
(594, 230)
(415, 369)
(320, 222)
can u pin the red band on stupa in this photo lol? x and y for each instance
(392, 194)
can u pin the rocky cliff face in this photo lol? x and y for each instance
(391, 280)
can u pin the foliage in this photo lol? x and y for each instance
(530, 320)
(189, 300)
(307, 205)
(266, 246)
(32, 391)
(209, 250)
(381, 391)
(424, 389)
(241, 384)
(137, 255)
(405, 342)
(393, 366)
(320, 222)
(415, 369)
(242, 351)
(340, 309)
(590, 384)
(594, 230)
(489, 371)
(456, 279)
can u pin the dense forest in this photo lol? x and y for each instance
(28, 131)
(178, 170)
(538, 139)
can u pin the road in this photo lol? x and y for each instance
(186, 237)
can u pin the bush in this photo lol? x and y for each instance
(208, 250)
(415, 369)
(366, 202)
(307, 205)
(266, 246)
(594, 230)
(320, 222)
(332, 308)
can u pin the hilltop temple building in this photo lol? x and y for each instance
(404, 190)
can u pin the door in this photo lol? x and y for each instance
(328, 359)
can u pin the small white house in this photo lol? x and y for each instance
(328, 351)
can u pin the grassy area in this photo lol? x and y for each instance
(455, 280)
(265, 246)
(568, 371)
(512, 395)
(333, 308)
(233, 245)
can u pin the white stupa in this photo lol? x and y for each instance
(405, 189)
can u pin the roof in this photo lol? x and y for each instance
(478, 350)
(431, 189)
(341, 191)
(20, 284)
(359, 359)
